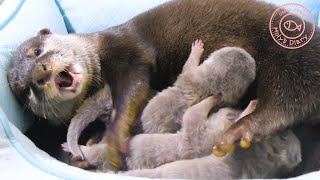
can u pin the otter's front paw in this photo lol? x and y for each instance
(241, 130)
(227, 145)
(237, 132)
(83, 164)
(76, 161)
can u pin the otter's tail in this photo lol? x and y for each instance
(92, 108)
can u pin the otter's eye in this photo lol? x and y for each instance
(37, 51)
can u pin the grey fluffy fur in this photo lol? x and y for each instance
(196, 139)
(219, 74)
(269, 159)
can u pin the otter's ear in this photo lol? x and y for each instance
(45, 31)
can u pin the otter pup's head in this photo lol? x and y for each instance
(52, 73)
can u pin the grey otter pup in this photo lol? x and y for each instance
(153, 150)
(262, 161)
(195, 141)
(228, 71)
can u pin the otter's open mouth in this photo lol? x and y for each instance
(68, 80)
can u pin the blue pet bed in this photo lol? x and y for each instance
(22, 19)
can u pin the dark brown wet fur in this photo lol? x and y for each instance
(150, 50)
(288, 81)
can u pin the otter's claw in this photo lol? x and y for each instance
(218, 152)
(244, 143)
(228, 148)
(222, 149)
(239, 131)
(246, 140)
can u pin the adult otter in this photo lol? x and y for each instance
(219, 75)
(150, 50)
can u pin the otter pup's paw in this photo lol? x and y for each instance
(194, 57)
(197, 48)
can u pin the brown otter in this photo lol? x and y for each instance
(150, 50)
(217, 76)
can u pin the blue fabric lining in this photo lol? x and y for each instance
(66, 20)
(12, 15)
(316, 8)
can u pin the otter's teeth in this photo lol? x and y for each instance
(64, 79)
(68, 81)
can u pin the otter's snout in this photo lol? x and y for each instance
(41, 74)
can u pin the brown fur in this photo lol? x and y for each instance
(43, 98)
(193, 84)
(150, 50)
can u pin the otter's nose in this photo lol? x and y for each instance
(41, 74)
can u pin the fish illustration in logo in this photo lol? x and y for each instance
(291, 25)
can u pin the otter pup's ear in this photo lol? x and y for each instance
(45, 31)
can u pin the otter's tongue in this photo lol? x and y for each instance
(64, 79)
